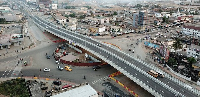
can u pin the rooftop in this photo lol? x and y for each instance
(82, 91)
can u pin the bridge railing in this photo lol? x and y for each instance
(153, 67)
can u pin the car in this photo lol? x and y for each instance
(96, 67)
(57, 62)
(133, 51)
(57, 83)
(46, 27)
(99, 45)
(60, 68)
(44, 88)
(68, 68)
(66, 86)
(46, 70)
(48, 57)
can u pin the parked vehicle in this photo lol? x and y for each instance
(44, 88)
(66, 86)
(96, 67)
(57, 62)
(57, 83)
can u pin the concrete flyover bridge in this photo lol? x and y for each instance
(132, 67)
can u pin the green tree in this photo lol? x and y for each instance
(72, 15)
(70, 7)
(2, 20)
(165, 20)
(171, 61)
(115, 13)
(138, 6)
(88, 7)
(81, 16)
(177, 44)
(66, 16)
(191, 60)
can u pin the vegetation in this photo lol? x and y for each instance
(171, 61)
(70, 7)
(115, 13)
(191, 60)
(72, 15)
(2, 20)
(88, 7)
(138, 6)
(165, 20)
(177, 44)
(81, 16)
(14, 88)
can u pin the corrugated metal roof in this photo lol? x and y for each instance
(82, 91)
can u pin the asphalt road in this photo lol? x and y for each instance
(151, 83)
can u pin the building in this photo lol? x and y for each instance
(81, 91)
(135, 18)
(192, 30)
(30, 0)
(60, 19)
(5, 9)
(141, 18)
(54, 4)
(193, 51)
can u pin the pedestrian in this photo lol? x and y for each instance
(84, 77)
(40, 69)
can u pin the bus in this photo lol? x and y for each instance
(155, 74)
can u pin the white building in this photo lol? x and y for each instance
(193, 30)
(30, 0)
(158, 15)
(61, 19)
(81, 91)
(54, 6)
(193, 51)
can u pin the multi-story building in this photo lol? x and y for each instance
(135, 18)
(141, 18)
(192, 30)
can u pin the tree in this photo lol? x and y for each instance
(88, 7)
(2, 20)
(115, 13)
(177, 44)
(66, 16)
(191, 60)
(72, 15)
(81, 16)
(165, 20)
(171, 61)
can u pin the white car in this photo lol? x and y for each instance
(46, 70)
(60, 68)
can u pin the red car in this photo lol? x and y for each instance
(66, 86)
